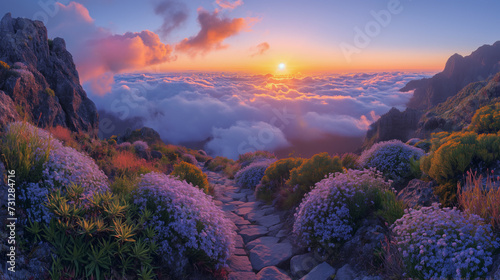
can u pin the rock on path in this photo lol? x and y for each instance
(261, 243)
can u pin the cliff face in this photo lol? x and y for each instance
(393, 125)
(445, 102)
(42, 80)
(458, 72)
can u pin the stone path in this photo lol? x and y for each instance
(262, 245)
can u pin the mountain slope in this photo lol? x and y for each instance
(41, 78)
(458, 72)
(447, 101)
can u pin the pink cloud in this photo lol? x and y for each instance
(214, 30)
(99, 54)
(226, 4)
(118, 53)
(260, 49)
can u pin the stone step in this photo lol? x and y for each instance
(253, 232)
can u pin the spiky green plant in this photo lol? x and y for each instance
(96, 237)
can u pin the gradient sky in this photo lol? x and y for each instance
(306, 36)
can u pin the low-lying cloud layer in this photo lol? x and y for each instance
(233, 113)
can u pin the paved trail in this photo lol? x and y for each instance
(261, 244)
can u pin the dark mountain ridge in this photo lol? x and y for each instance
(445, 102)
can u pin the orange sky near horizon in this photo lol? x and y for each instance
(318, 63)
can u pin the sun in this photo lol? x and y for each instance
(281, 66)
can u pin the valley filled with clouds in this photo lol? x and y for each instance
(229, 113)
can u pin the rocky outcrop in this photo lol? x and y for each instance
(8, 111)
(445, 102)
(42, 79)
(393, 125)
(418, 193)
(457, 112)
(458, 72)
(145, 134)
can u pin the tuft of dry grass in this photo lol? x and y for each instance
(128, 164)
(482, 200)
(392, 259)
(63, 134)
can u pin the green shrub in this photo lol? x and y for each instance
(424, 145)
(111, 141)
(275, 177)
(454, 154)
(191, 174)
(19, 145)
(123, 185)
(226, 165)
(486, 119)
(304, 177)
(349, 161)
(50, 92)
(247, 158)
(314, 170)
(95, 238)
(391, 208)
(171, 152)
(4, 66)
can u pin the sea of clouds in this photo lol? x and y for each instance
(229, 113)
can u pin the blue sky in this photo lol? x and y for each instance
(422, 36)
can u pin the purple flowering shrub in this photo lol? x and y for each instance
(330, 211)
(140, 146)
(189, 159)
(63, 166)
(190, 227)
(124, 146)
(393, 158)
(444, 243)
(250, 176)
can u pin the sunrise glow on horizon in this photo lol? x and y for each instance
(256, 36)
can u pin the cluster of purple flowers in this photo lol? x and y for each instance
(140, 146)
(185, 219)
(323, 216)
(124, 146)
(251, 175)
(189, 158)
(64, 166)
(444, 243)
(391, 157)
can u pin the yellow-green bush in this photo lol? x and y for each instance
(247, 158)
(349, 160)
(19, 147)
(192, 174)
(314, 170)
(226, 165)
(454, 154)
(275, 177)
(4, 65)
(303, 178)
(486, 119)
(50, 92)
